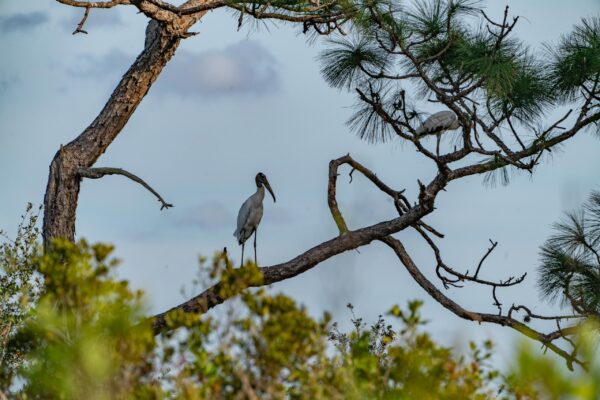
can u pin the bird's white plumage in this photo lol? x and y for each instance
(249, 216)
(438, 122)
(251, 213)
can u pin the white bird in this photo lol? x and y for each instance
(436, 124)
(251, 213)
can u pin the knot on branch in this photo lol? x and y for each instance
(425, 198)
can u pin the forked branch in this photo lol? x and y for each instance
(546, 339)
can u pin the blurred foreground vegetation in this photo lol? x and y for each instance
(71, 330)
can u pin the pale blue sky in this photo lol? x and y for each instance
(231, 104)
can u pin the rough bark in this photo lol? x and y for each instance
(168, 25)
(302, 263)
(62, 191)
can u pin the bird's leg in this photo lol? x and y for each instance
(242, 262)
(255, 230)
(437, 144)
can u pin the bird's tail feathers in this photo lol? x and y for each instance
(239, 234)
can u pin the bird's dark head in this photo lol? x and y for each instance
(261, 180)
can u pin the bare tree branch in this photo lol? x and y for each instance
(302, 263)
(487, 253)
(96, 173)
(546, 340)
(95, 4)
(79, 28)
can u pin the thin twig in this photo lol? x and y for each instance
(489, 251)
(79, 28)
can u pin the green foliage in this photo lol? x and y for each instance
(498, 176)
(570, 260)
(436, 18)
(526, 92)
(381, 363)
(87, 336)
(277, 351)
(232, 281)
(343, 61)
(367, 123)
(19, 290)
(576, 59)
(511, 76)
(451, 50)
(535, 376)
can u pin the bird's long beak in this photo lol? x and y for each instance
(268, 186)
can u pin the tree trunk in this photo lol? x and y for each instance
(62, 191)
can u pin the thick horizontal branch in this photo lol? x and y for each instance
(293, 16)
(109, 4)
(212, 297)
(307, 9)
(158, 10)
(208, 5)
(95, 4)
(309, 259)
(329, 15)
(96, 173)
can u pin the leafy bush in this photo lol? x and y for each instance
(79, 332)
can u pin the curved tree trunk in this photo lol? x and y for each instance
(60, 201)
(169, 24)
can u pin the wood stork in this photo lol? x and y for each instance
(251, 213)
(436, 124)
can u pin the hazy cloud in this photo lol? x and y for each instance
(244, 67)
(214, 214)
(339, 284)
(365, 208)
(277, 215)
(6, 83)
(211, 214)
(93, 66)
(22, 22)
(97, 18)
